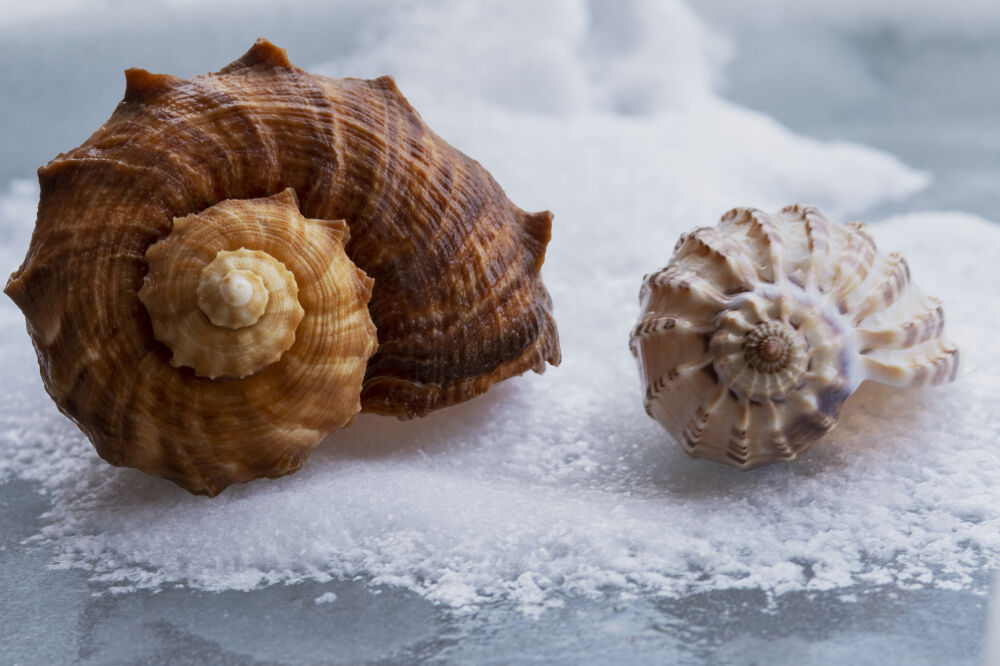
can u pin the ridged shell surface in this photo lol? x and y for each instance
(215, 403)
(757, 331)
(457, 298)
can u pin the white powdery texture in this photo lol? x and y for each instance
(559, 484)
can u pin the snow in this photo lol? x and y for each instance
(559, 485)
(326, 598)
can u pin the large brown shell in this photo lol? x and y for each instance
(757, 331)
(457, 297)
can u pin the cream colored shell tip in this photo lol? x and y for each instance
(757, 331)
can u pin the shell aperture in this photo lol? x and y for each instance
(457, 297)
(753, 336)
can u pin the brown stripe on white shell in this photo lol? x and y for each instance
(753, 336)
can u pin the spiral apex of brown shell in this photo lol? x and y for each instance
(752, 337)
(209, 269)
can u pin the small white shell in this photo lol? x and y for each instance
(757, 331)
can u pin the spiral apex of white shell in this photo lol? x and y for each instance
(752, 337)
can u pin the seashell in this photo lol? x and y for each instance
(143, 286)
(255, 366)
(753, 336)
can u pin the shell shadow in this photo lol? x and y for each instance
(372, 436)
(882, 416)
(656, 468)
(101, 489)
(677, 475)
(872, 409)
(368, 437)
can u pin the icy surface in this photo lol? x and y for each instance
(558, 485)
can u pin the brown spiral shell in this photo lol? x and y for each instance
(457, 298)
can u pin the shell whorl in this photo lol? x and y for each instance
(457, 298)
(757, 331)
(232, 293)
(232, 312)
(234, 404)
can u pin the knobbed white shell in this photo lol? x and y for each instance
(757, 331)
